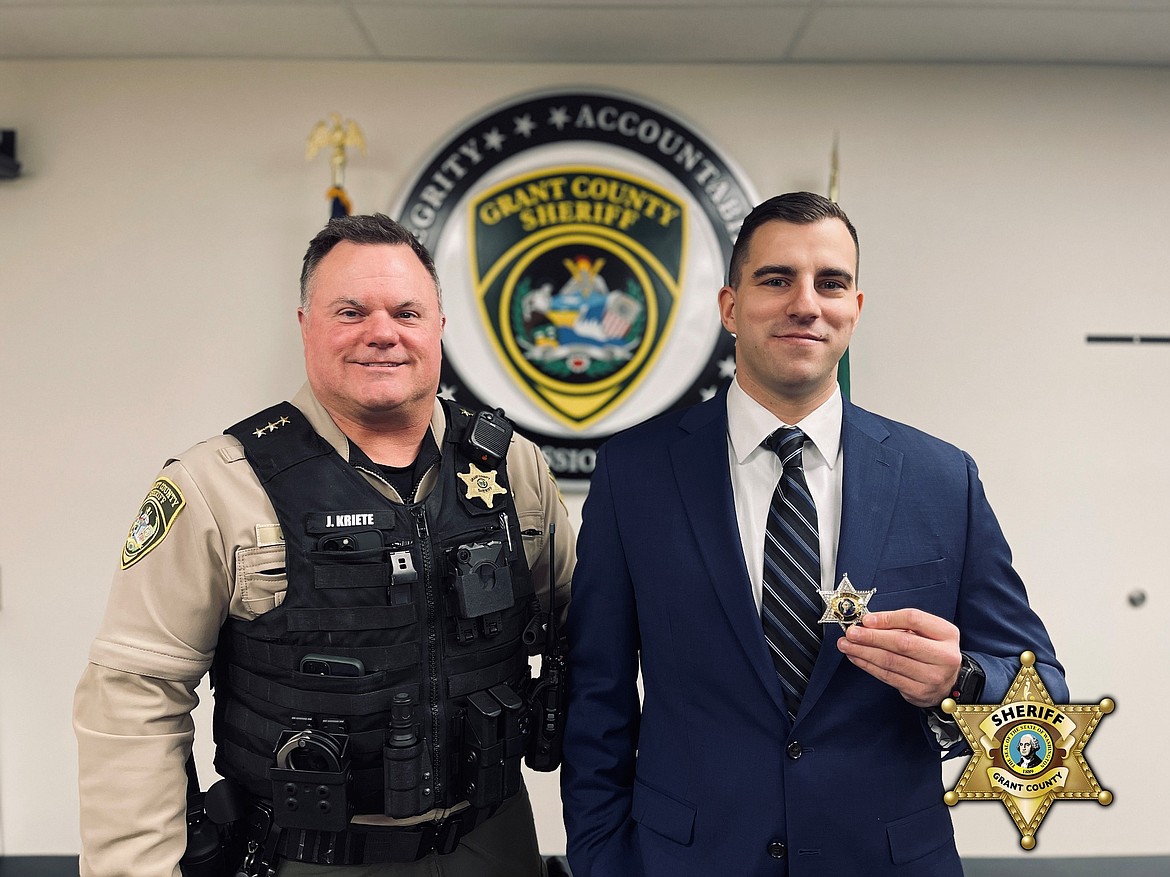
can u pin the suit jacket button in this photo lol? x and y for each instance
(777, 850)
(795, 750)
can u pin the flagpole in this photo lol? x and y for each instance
(834, 192)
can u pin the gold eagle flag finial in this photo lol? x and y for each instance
(339, 136)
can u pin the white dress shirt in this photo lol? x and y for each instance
(756, 470)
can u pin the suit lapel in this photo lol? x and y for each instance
(869, 491)
(702, 471)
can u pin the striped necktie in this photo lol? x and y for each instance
(791, 607)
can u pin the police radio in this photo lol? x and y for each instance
(488, 438)
(548, 693)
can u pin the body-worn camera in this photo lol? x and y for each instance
(483, 581)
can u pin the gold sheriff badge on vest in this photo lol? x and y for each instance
(1028, 751)
(481, 485)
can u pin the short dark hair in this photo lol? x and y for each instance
(799, 208)
(373, 228)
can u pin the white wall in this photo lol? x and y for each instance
(148, 265)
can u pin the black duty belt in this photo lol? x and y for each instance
(371, 844)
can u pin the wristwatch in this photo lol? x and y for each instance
(968, 687)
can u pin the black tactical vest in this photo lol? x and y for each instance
(393, 677)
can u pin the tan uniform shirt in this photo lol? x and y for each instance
(222, 555)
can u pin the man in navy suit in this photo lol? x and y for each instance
(718, 768)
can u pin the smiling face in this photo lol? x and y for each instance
(372, 331)
(793, 310)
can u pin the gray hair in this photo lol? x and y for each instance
(373, 228)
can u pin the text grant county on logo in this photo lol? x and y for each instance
(580, 239)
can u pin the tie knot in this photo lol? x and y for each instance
(787, 443)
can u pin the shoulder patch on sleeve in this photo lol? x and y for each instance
(159, 510)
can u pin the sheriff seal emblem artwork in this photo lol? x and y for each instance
(153, 521)
(1029, 752)
(581, 238)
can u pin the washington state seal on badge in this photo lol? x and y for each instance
(1029, 752)
(844, 604)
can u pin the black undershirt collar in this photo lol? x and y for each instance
(404, 479)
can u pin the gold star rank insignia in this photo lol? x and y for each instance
(271, 427)
(1029, 752)
(845, 604)
(481, 485)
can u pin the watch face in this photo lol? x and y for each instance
(970, 683)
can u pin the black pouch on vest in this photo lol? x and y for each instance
(351, 559)
(483, 582)
(406, 763)
(483, 761)
(311, 781)
(514, 729)
(495, 734)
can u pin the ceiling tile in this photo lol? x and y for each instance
(993, 5)
(603, 31)
(621, 35)
(250, 30)
(1027, 35)
(585, 7)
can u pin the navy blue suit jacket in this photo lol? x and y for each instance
(706, 776)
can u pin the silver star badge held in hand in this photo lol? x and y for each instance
(844, 604)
